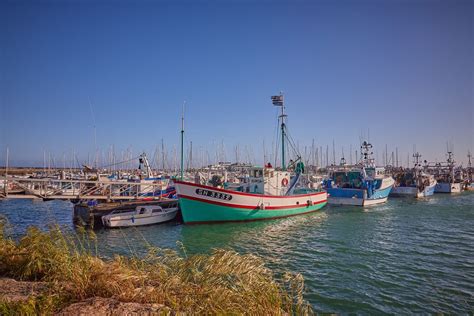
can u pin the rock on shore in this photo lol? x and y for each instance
(16, 291)
(110, 306)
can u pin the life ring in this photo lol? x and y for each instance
(284, 182)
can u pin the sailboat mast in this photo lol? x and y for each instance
(163, 155)
(5, 183)
(469, 166)
(182, 142)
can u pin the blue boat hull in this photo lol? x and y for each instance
(358, 197)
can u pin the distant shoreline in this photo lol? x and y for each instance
(26, 170)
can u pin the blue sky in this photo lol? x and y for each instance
(401, 69)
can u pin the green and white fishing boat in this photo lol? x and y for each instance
(265, 193)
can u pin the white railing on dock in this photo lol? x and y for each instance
(68, 189)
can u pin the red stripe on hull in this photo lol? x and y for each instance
(246, 206)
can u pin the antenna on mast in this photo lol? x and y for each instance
(366, 154)
(416, 159)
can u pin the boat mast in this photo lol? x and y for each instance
(182, 142)
(451, 164)
(163, 155)
(278, 100)
(366, 153)
(417, 167)
(5, 183)
(416, 159)
(283, 165)
(469, 166)
(144, 160)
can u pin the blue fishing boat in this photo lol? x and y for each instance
(361, 185)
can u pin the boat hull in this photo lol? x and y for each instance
(168, 192)
(129, 220)
(358, 197)
(203, 204)
(444, 187)
(428, 191)
(413, 191)
(355, 201)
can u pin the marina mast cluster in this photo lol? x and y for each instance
(233, 191)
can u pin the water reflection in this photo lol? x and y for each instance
(137, 240)
(250, 236)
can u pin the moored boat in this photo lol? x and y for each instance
(427, 188)
(469, 183)
(150, 185)
(201, 203)
(447, 181)
(265, 193)
(360, 185)
(448, 187)
(469, 186)
(414, 182)
(142, 215)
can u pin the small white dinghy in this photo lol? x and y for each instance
(142, 215)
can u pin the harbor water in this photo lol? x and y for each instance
(405, 256)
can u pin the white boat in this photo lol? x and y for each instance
(424, 189)
(142, 215)
(150, 185)
(469, 182)
(414, 182)
(447, 187)
(446, 177)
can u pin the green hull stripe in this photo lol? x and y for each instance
(196, 211)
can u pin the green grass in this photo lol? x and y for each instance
(222, 282)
